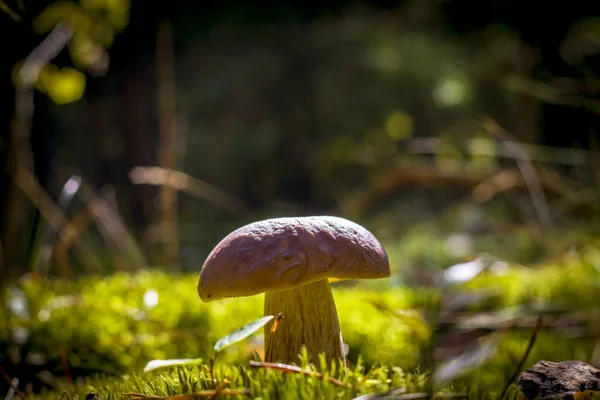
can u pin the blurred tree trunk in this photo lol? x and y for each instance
(140, 136)
(29, 146)
(296, 118)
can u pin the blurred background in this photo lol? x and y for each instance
(137, 135)
(478, 119)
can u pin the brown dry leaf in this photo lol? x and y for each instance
(585, 395)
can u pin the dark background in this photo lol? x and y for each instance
(124, 102)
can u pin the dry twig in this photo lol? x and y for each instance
(112, 228)
(394, 394)
(58, 222)
(186, 396)
(297, 370)
(525, 355)
(20, 156)
(527, 169)
(4, 7)
(12, 385)
(189, 184)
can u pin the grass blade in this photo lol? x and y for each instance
(242, 333)
(155, 364)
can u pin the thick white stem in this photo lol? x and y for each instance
(309, 319)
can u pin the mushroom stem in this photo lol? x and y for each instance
(309, 319)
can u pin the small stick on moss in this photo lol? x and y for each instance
(411, 396)
(202, 393)
(534, 335)
(211, 362)
(219, 389)
(143, 396)
(12, 385)
(294, 369)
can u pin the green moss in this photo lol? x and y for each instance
(104, 326)
(260, 383)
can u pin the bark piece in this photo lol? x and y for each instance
(559, 380)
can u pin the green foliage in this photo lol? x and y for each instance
(63, 85)
(94, 22)
(93, 25)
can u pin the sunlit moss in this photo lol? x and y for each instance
(261, 383)
(105, 325)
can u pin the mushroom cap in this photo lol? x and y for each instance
(283, 253)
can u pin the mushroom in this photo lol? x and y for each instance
(290, 260)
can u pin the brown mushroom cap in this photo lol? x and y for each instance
(283, 253)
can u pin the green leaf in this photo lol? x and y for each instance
(155, 364)
(56, 12)
(65, 85)
(242, 333)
